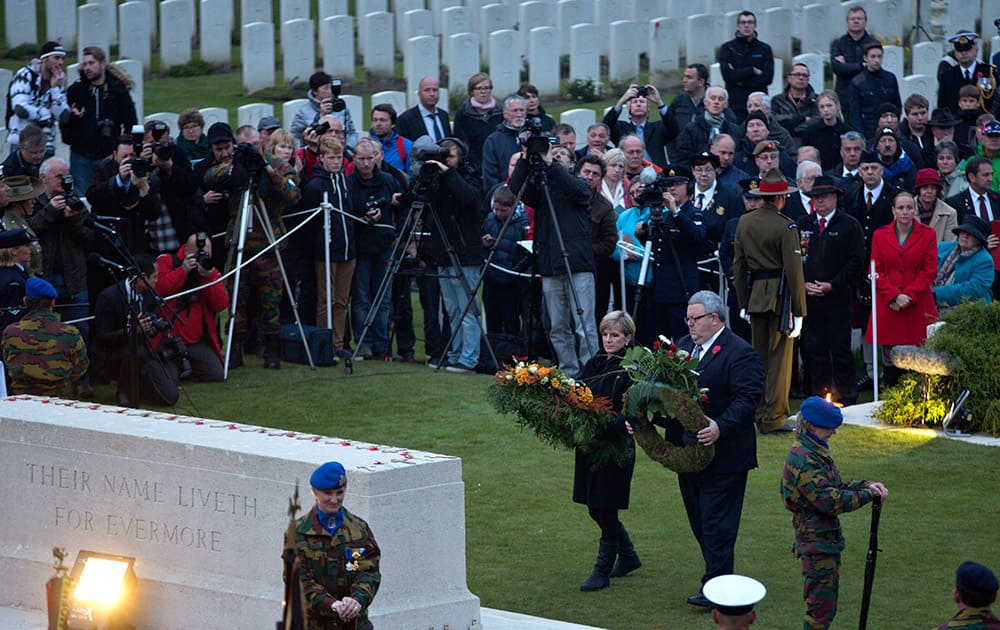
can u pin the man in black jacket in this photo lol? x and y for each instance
(569, 299)
(425, 118)
(101, 110)
(702, 130)
(688, 105)
(747, 63)
(847, 53)
(177, 188)
(869, 90)
(654, 134)
(833, 257)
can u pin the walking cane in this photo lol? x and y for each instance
(870, 560)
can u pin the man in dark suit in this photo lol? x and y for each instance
(654, 134)
(425, 118)
(965, 70)
(800, 205)
(714, 205)
(731, 370)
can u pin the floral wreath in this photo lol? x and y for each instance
(666, 383)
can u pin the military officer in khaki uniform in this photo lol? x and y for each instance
(768, 277)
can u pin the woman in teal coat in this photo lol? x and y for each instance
(965, 266)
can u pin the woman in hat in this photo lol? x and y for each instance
(15, 254)
(824, 134)
(905, 255)
(932, 211)
(953, 181)
(815, 494)
(965, 266)
(20, 207)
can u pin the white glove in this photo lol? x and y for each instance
(796, 328)
(743, 315)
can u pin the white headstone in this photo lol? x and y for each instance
(664, 52)
(684, 8)
(543, 60)
(495, 17)
(298, 50)
(5, 78)
(133, 17)
(569, 13)
(454, 20)
(531, 15)
(580, 119)
(892, 60)
(795, 6)
(462, 60)
(289, 109)
(474, 8)
(822, 23)
(175, 40)
(337, 45)
(190, 19)
(378, 50)
(892, 23)
(505, 67)
(293, 10)
(925, 58)
(437, 7)
(215, 28)
(21, 23)
(421, 57)
(392, 97)
(213, 115)
(111, 12)
(443, 94)
(169, 118)
(255, 11)
(4, 145)
(777, 84)
(815, 64)
(643, 11)
(133, 69)
(198, 502)
(60, 21)
(715, 74)
(584, 53)
(414, 23)
(606, 12)
(329, 8)
(95, 28)
(775, 28)
(362, 9)
(252, 113)
(356, 106)
(700, 37)
(623, 61)
(919, 84)
(257, 61)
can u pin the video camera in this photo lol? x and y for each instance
(536, 142)
(172, 348)
(161, 148)
(247, 157)
(653, 185)
(75, 203)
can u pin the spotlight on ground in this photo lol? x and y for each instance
(103, 585)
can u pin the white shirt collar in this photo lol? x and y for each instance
(708, 343)
(875, 191)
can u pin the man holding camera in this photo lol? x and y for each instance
(125, 187)
(504, 142)
(191, 269)
(324, 100)
(37, 95)
(25, 158)
(654, 134)
(101, 110)
(177, 187)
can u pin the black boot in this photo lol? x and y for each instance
(628, 559)
(600, 578)
(272, 352)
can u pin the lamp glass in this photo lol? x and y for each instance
(101, 581)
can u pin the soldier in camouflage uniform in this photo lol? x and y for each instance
(43, 356)
(278, 188)
(815, 494)
(336, 557)
(975, 590)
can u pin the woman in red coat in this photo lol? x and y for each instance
(905, 255)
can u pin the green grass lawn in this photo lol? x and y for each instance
(529, 547)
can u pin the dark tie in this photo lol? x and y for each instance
(436, 126)
(822, 225)
(696, 353)
(870, 201)
(984, 214)
(699, 200)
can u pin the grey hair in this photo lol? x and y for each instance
(51, 163)
(804, 166)
(853, 136)
(512, 99)
(765, 100)
(722, 136)
(725, 92)
(628, 136)
(711, 301)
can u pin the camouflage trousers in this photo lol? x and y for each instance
(264, 277)
(822, 581)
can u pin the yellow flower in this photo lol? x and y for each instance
(556, 384)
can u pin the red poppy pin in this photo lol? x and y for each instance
(715, 349)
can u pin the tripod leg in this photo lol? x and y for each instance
(239, 243)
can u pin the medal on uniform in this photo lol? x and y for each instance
(353, 556)
(720, 211)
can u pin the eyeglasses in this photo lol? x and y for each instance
(690, 321)
(483, 88)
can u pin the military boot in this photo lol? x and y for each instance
(600, 577)
(628, 559)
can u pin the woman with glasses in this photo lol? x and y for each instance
(478, 117)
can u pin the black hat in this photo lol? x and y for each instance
(51, 48)
(867, 157)
(973, 226)
(268, 122)
(751, 187)
(13, 238)
(220, 132)
(757, 115)
(972, 576)
(964, 40)
(885, 131)
(705, 158)
(675, 173)
(823, 185)
(942, 118)
(887, 108)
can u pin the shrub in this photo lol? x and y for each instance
(583, 90)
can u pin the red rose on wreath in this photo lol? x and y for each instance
(715, 349)
(656, 345)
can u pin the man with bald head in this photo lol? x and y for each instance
(724, 148)
(425, 118)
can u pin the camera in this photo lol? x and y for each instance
(651, 195)
(75, 203)
(534, 138)
(160, 148)
(642, 90)
(319, 128)
(204, 258)
(106, 126)
(140, 166)
(247, 157)
(338, 103)
(172, 348)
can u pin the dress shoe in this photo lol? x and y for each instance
(700, 601)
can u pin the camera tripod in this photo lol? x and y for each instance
(250, 207)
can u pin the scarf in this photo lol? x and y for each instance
(946, 273)
(330, 522)
(195, 150)
(483, 109)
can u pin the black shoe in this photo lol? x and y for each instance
(700, 601)
(628, 559)
(864, 382)
(123, 400)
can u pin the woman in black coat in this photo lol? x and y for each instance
(605, 490)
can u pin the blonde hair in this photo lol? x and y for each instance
(619, 320)
(279, 137)
(331, 145)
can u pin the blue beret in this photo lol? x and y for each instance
(972, 576)
(329, 476)
(821, 413)
(38, 288)
(13, 238)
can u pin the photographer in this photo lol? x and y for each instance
(101, 110)
(28, 154)
(274, 183)
(324, 100)
(37, 94)
(190, 268)
(506, 140)
(573, 334)
(125, 187)
(307, 157)
(177, 187)
(654, 134)
(678, 239)
(157, 379)
(452, 189)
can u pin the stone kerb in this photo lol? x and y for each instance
(202, 506)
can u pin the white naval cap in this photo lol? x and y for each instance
(734, 594)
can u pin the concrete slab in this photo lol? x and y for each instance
(861, 415)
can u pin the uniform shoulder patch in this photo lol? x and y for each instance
(793, 226)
